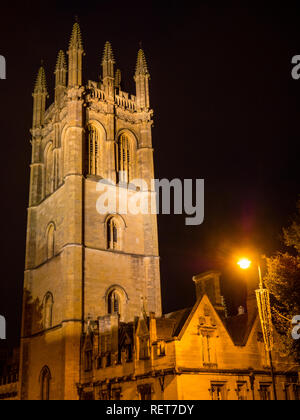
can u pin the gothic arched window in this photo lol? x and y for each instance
(50, 241)
(93, 150)
(45, 379)
(48, 311)
(114, 302)
(124, 161)
(49, 171)
(113, 239)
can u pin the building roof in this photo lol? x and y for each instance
(238, 327)
(170, 325)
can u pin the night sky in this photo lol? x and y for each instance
(226, 110)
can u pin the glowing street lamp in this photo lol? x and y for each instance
(244, 263)
(264, 310)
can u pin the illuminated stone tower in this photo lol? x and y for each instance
(80, 263)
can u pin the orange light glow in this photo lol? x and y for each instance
(244, 263)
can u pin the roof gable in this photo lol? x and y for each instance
(239, 329)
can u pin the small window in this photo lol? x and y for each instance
(88, 360)
(161, 349)
(144, 348)
(145, 392)
(265, 392)
(88, 396)
(242, 391)
(218, 392)
(116, 394)
(207, 350)
(105, 395)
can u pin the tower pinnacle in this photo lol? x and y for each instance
(39, 98)
(141, 64)
(40, 84)
(60, 75)
(75, 54)
(61, 62)
(108, 73)
(76, 38)
(141, 78)
(108, 55)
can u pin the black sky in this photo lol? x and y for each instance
(226, 110)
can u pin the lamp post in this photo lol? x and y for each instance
(264, 310)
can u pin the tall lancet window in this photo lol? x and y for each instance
(45, 379)
(124, 166)
(50, 241)
(93, 150)
(113, 303)
(49, 171)
(48, 311)
(113, 240)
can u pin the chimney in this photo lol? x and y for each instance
(209, 283)
(152, 328)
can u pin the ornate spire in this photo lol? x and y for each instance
(76, 39)
(39, 98)
(60, 75)
(75, 54)
(40, 84)
(61, 62)
(108, 73)
(141, 64)
(108, 55)
(141, 78)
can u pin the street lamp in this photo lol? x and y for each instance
(264, 310)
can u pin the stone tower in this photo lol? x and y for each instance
(81, 264)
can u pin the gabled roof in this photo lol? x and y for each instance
(171, 324)
(175, 324)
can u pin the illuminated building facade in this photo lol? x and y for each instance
(92, 325)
